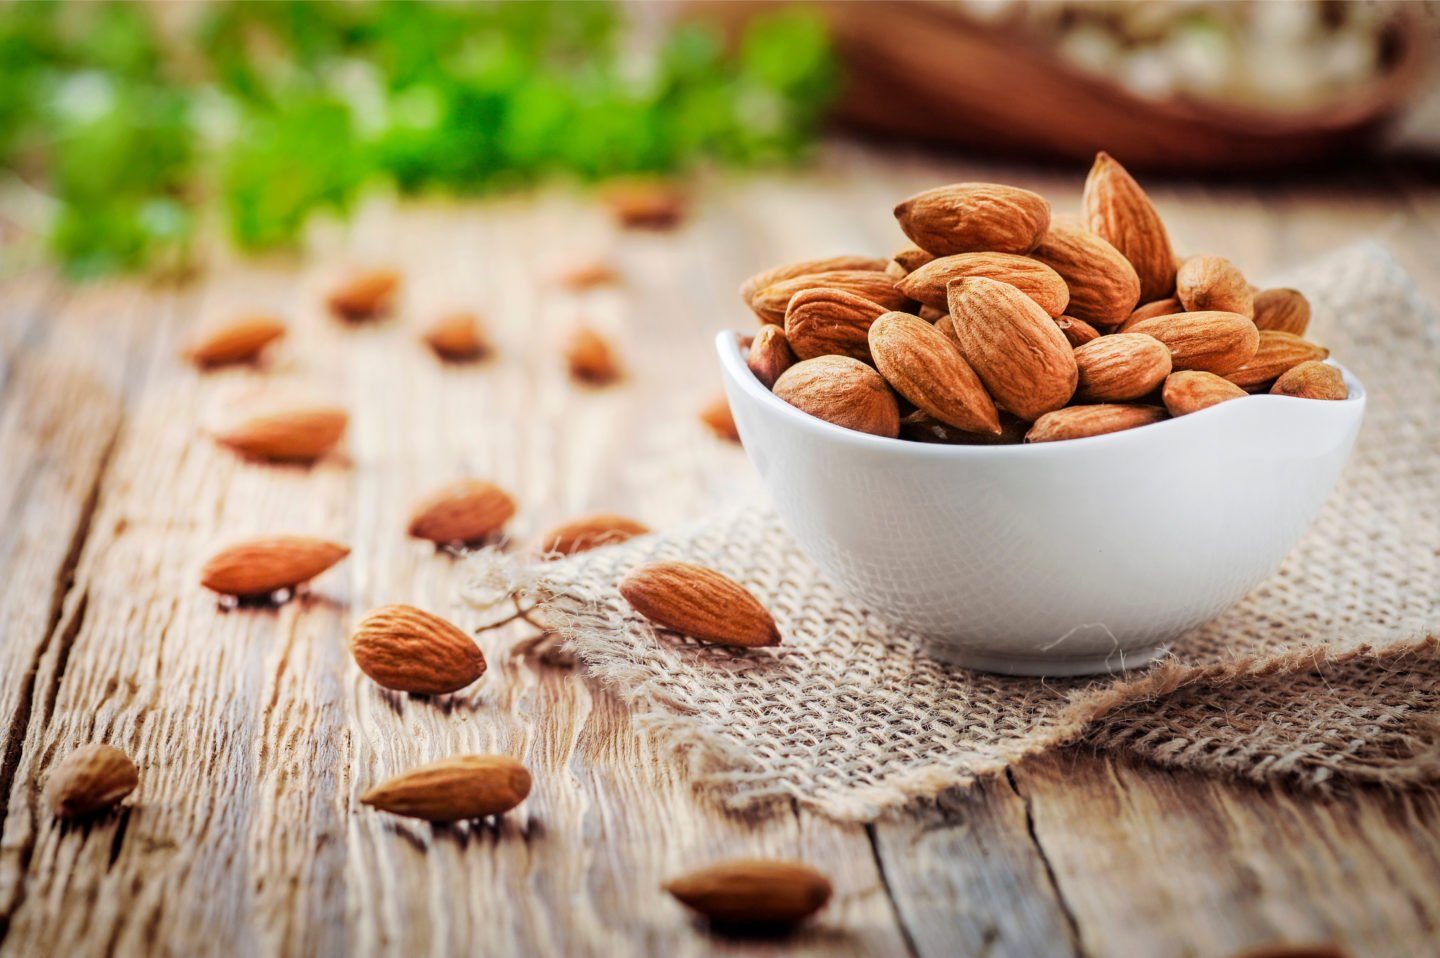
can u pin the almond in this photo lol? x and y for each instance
(1213, 283)
(454, 789)
(974, 217)
(1036, 280)
(770, 354)
(1160, 307)
(588, 274)
(700, 603)
(933, 314)
(825, 322)
(1277, 353)
(925, 367)
(1312, 379)
(645, 203)
(1018, 352)
(1103, 286)
(405, 649)
(716, 415)
(911, 257)
(259, 567)
(90, 779)
(240, 341)
(842, 391)
(457, 338)
(753, 892)
(365, 294)
(1077, 331)
(589, 532)
(296, 434)
(1080, 422)
(1120, 367)
(590, 357)
(831, 264)
(468, 511)
(895, 271)
(1118, 210)
(772, 303)
(1213, 341)
(1192, 390)
(1283, 310)
(922, 427)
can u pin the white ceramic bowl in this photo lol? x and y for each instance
(1065, 558)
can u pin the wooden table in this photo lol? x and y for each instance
(254, 732)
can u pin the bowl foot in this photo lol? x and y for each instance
(1040, 665)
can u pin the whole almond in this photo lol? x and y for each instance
(1118, 210)
(1283, 310)
(753, 892)
(457, 338)
(1213, 283)
(770, 354)
(932, 314)
(645, 203)
(1121, 367)
(590, 357)
(924, 366)
(842, 391)
(911, 257)
(365, 294)
(772, 303)
(974, 217)
(1213, 341)
(830, 264)
(408, 650)
(90, 779)
(920, 426)
(1161, 307)
(825, 322)
(1103, 286)
(589, 532)
(1312, 379)
(588, 274)
(1080, 422)
(1277, 353)
(239, 341)
(467, 511)
(1018, 352)
(259, 567)
(1192, 390)
(296, 434)
(1033, 278)
(700, 603)
(895, 271)
(454, 789)
(717, 417)
(1077, 331)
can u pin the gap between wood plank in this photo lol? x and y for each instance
(1065, 909)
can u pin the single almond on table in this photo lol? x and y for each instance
(924, 366)
(1080, 422)
(1213, 341)
(753, 892)
(1018, 352)
(716, 415)
(1283, 310)
(842, 391)
(1312, 379)
(408, 650)
(1077, 331)
(259, 567)
(590, 357)
(1121, 367)
(911, 257)
(295, 434)
(1033, 278)
(90, 779)
(807, 267)
(770, 354)
(645, 203)
(825, 322)
(1277, 352)
(365, 294)
(587, 274)
(772, 303)
(1118, 210)
(1192, 390)
(589, 532)
(239, 341)
(1168, 306)
(974, 217)
(467, 511)
(1213, 283)
(700, 603)
(454, 789)
(457, 337)
(1103, 286)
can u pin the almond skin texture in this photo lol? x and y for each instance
(1212, 341)
(1080, 422)
(408, 650)
(974, 217)
(457, 338)
(925, 367)
(1312, 380)
(1192, 390)
(471, 510)
(591, 358)
(911, 257)
(1277, 353)
(88, 780)
(700, 603)
(932, 314)
(365, 295)
(1018, 352)
(1283, 310)
(770, 354)
(717, 417)
(1036, 280)
(1117, 209)
(922, 427)
(772, 303)
(1213, 283)
(1077, 331)
(262, 566)
(240, 341)
(1103, 286)
(753, 892)
(1161, 307)
(1121, 367)
(842, 391)
(298, 434)
(454, 789)
(830, 264)
(824, 322)
(589, 532)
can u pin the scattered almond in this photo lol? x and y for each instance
(1033, 278)
(1103, 286)
(365, 294)
(1018, 352)
(1213, 283)
(590, 532)
(588, 274)
(1276, 353)
(1118, 210)
(1121, 367)
(772, 303)
(830, 264)
(925, 367)
(824, 321)
(468, 511)
(1283, 310)
(1213, 341)
(259, 567)
(1312, 379)
(296, 434)
(974, 217)
(90, 779)
(770, 354)
(405, 649)
(240, 341)
(454, 789)
(457, 338)
(716, 415)
(843, 391)
(591, 357)
(700, 603)
(1192, 390)
(753, 892)
(1077, 331)
(1080, 422)
(645, 203)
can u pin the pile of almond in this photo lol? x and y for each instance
(1000, 324)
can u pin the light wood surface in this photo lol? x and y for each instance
(255, 733)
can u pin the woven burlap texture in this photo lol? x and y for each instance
(1329, 673)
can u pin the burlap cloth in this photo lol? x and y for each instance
(1328, 674)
